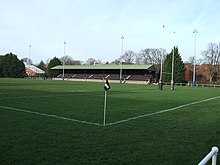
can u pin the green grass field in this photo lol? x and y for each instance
(61, 122)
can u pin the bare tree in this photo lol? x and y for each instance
(77, 62)
(27, 60)
(156, 56)
(116, 61)
(145, 55)
(211, 56)
(151, 56)
(199, 61)
(92, 61)
(68, 60)
(191, 60)
(128, 57)
(138, 59)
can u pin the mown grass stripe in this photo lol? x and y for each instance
(163, 111)
(49, 115)
(113, 123)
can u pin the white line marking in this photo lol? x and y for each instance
(42, 96)
(53, 116)
(45, 96)
(114, 123)
(163, 111)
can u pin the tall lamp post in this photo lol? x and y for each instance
(64, 52)
(161, 64)
(29, 62)
(194, 69)
(122, 38)
(172, 79)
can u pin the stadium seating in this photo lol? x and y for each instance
(146, 78)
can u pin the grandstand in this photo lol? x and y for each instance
(130, 73)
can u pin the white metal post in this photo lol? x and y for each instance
(104, 114)
(194, 69)
(172, 79)
(214, 159)
(161, 62)
(122, 51)
(211, 155)
(29, 62)
(64, 52)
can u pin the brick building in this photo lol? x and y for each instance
(33, 71)
(203, 73)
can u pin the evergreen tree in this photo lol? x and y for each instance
(1, 69)
(53, 62)
(11, 66)
(42, 66)
(179, 67)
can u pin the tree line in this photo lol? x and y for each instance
(146, 56)
(11, 66)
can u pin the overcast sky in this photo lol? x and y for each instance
(93, 28)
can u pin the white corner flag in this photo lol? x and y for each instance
(106, 87)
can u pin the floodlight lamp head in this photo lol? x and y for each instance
(195, 31)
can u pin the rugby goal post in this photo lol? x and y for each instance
(211, 155)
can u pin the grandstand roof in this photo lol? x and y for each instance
(111, 67)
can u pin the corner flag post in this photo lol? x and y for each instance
(104, 122)
(106, 87)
